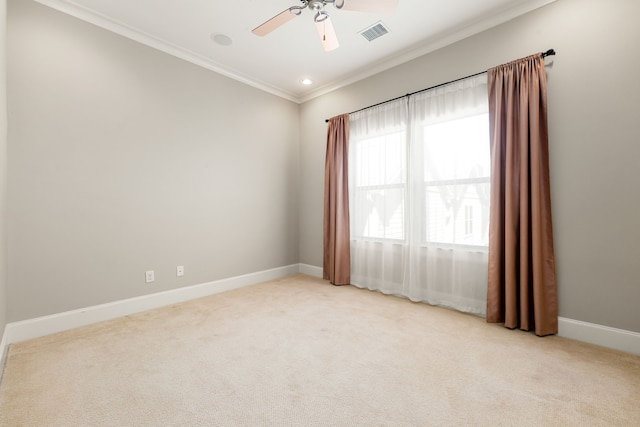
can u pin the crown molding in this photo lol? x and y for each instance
(428, 47)
(78, 11)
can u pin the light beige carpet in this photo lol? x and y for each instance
(300, 352)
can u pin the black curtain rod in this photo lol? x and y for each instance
(549, 52)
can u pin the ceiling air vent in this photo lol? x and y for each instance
(373, 32)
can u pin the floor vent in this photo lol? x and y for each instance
(373, 32)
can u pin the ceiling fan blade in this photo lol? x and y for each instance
(327, 35)
(386, 7)
(273, 23)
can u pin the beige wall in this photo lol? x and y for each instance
(125, 159)
(3, 167)
(595, 150)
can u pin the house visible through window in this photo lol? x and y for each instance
(468, 220)
(455, 196)
(456, 182)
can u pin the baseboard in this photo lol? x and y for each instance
(46, 325)
(4, 347)
(618, 339)
(311, 270)
(605, 336)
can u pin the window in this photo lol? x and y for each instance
(456, 169)
(379, 184)
(419, 196)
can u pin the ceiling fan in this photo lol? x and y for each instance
(322, 19)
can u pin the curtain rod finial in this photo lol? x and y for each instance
(549, 52)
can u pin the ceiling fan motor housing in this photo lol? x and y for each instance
(316, 5)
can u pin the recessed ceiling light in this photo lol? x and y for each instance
(306, 82)
(221, 39)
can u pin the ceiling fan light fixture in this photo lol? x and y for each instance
(296, 10)
(321, 16)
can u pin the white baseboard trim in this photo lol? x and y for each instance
(46, 325)
(605, 336)
(618, 339)
(4, 346)
(311, 270)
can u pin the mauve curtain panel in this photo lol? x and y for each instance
(522, 285)
(337, 257)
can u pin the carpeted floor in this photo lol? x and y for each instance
(300, 352)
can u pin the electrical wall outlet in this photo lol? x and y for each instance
(149, 276)
(180, 271)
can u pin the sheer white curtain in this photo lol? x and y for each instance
(419, 196)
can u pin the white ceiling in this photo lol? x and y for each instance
(277, 62)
